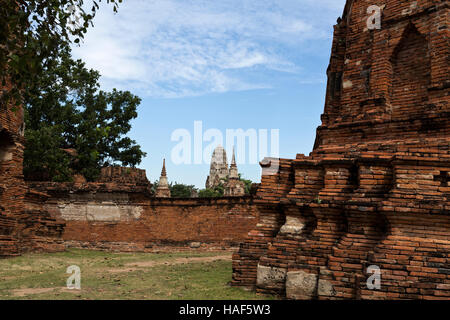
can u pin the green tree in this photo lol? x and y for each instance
(247, 184)
(44, 159)
(208, 193)
(217, 192)
(31, 33)
(66, 110)
(178, 190)
(154, 186)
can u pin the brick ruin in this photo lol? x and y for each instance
(24, 224)
(222, 175)
(117, 212)
(374, 191)
(127, 217)
(234, 187)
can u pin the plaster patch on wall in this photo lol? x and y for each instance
(5, 155)
(293, 225)
(101, 212)
(347, 84)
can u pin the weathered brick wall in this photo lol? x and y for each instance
(374, 191)
(388, 89)
(124, 175)
(273, 187)
(125, 217)
(24, 225)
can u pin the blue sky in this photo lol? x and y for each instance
(249, 64)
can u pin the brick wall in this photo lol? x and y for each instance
(24, 225)
(124, 175)
(374, 191)
(126, 217)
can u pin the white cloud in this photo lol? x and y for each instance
(175, 48)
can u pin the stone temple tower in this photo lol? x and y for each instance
(233, 173)
(234, 187)
(163, 190)
(218, 169)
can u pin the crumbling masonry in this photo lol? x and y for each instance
(24, 225)
(374, 191)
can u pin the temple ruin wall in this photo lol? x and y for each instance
(101, 216)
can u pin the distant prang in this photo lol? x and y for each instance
(220, 174)
(163, 190)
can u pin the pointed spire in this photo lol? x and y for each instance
(163, 190)
(233, 172)
(234, 187)
(233, 160)
(163, 171)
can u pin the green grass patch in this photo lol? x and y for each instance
(106, 275)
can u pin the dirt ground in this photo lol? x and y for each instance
(104, 275)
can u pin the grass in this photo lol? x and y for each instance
(104, 275)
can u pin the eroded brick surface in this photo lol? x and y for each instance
(24, 224)
(374, 191)
(126, 217)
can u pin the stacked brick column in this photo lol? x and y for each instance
(277, 179)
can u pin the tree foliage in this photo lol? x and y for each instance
(66, 111)
(179, 190)
(247, 184)
(208, 193)
(217, 192)
(32, 31)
